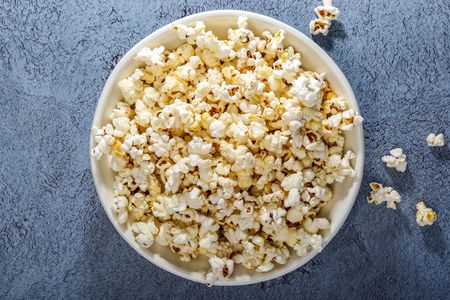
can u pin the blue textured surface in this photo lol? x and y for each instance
(55, 239)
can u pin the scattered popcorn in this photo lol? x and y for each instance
(396, 159)
(380, 194)
(425, 216)
(227, 149)
(319, 26)
(325, 14)
(435, 140)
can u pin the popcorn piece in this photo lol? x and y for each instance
(257, 130)
(151, 57)
(217, 128)
(435, 140)
(239, 132)
(195, 199)
(313, 226)
(325, 14)
(425, 216)
(144, 233)
(292, 199)
(308, 88)
(296, 213)
(189, 34)
(319, 26)
(340, 168)
(175, 203)
(380, 194)
(350, 119)
(293, 181)
(221, 268)
(327, 11)
(197, 146)
(274, 142)
(120, 207)
(307, 243)
(396, 160)
(132, 86)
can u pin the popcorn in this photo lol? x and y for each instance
(120, 207)
(380, 194)
(138, 204)
(251, 86)
(350, 119)
(325, 14)
(152, 57)
(340, 168)
(396, 160)
(275, 42)
(217, 129)
(425, 216)
(195, 199)
(293, 119)
(144, 232)
(221, 268)
(257, 130)
(293, 181)
(239, 132)
(292, 199)
(175, 203)
(274, 142)
(327, 11)
(307, 243)
(227, 149)
(189, 34)
(319, 25)
(308, 88)
(296, 213)
(313, 226)
(435, 140)
(132, 86)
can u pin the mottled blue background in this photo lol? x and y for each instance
(55, 239)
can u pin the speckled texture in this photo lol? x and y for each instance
(55, 239)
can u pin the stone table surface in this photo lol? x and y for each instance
(55, 238)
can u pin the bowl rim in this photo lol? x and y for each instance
(359, 166)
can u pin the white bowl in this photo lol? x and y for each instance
(313, 58)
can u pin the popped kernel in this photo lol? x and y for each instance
(425, 216)
(325, 14)
(434, 140)
(380, 194)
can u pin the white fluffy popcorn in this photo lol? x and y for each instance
(308, 88)
(226, 149)
(220, 268)
(120, 207)
(152, 56)
(425, 216)
(434, 140)
(325, 14)
(144, 232)
(293, 181)
(217, 129)
(396, 159)
(380, 194)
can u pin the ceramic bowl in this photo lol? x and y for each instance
(313, 58)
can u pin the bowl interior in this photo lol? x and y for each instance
(313, 58)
